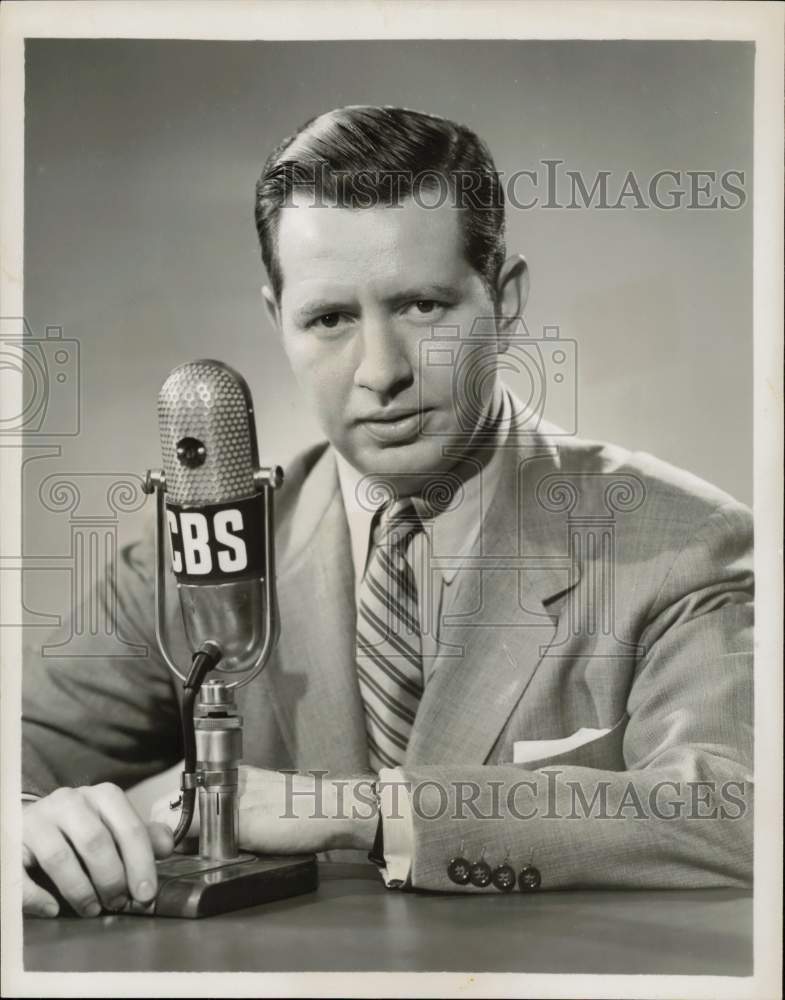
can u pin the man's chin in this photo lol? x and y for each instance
(418, 459)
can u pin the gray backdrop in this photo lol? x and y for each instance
(141, 157)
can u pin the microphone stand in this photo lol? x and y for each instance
(219, 878)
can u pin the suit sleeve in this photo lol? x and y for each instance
(680, 815)
(102, 718)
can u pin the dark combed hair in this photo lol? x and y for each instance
(360, 157)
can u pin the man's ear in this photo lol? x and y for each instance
(512, 291)
(271, 306)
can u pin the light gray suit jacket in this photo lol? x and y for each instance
(606, 590)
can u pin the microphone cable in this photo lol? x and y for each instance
(203, 662)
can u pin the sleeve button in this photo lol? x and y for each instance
(480, 874)
(458, 871)
(503, 878)
(529, 878)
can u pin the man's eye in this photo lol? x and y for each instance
(328, 320)
(425, 307)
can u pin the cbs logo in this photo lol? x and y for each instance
(208, 544)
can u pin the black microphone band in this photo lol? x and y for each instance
(218, 543)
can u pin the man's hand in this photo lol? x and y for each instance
(94, 847)
(283, 813)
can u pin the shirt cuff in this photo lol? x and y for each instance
(30, 797)
(397, 826)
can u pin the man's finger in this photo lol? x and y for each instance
(131, 837)
(161, 839)
(57, 859)
(95, 846)
(37, 902)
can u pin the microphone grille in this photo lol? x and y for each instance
(208, 439)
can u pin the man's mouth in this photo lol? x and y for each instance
(394, 426)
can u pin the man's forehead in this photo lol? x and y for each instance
(338, 239)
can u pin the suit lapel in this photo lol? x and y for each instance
(495, 624)
(312, 678)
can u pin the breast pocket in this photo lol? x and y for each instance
(597, 748)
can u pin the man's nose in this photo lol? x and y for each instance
(384, 366)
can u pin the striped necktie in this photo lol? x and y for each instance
(389, 655)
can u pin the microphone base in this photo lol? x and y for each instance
(191, 886)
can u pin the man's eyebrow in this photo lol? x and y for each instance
(319, 307)
(428, 290)
(324, 304)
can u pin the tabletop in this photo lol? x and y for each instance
(352, 922)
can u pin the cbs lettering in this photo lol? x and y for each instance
(208, 544)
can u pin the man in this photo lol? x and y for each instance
(530, 638)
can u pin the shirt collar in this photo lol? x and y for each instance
(455, 529)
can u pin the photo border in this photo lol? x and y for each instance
(442, 19)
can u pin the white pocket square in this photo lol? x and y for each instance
(524, 751)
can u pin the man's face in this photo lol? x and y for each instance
(362, 290)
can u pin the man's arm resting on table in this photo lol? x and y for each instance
(681, 814)
(91, 726)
